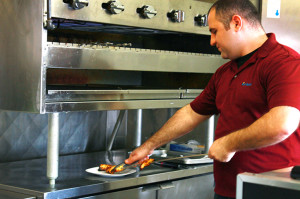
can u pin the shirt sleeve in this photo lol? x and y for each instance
(283, 84)
(205, 103)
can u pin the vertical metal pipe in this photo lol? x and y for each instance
(138, 128)
(210, 133)
(48, 10)
(53, 147)
(171, 112)
(116, 128)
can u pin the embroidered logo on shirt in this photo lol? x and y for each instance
(246, 84)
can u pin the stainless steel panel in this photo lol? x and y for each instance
(24, 135)
(114, 105)
(286, 27)
(195, 187)
(137, 193)
(200, 187)
(115, 58)
(129, 17)
(21, 44)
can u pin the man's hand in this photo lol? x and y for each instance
(139, 154)
(220, 150)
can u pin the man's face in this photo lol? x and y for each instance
(220, 37)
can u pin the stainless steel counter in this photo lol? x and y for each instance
(29, 177)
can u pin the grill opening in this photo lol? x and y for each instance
(76, 79)
(78, 32)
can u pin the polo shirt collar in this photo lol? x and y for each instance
(261, 52)
(266, 48)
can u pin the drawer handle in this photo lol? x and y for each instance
(167, 185)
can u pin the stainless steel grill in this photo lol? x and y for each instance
(78, 55)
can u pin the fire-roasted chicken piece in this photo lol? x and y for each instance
(103, 167)
(146, 163)
(110, 168)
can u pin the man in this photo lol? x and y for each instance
(257, 95)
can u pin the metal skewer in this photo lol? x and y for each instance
(187, 156)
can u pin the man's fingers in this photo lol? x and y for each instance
(140, 154)
(141, 161)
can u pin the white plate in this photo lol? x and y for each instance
(95, 171)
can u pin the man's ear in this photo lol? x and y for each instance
(236, 22)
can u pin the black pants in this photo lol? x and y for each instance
(221, 197)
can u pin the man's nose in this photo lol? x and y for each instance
(212, 40)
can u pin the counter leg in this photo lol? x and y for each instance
(53, 147)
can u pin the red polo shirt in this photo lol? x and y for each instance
(270, 78)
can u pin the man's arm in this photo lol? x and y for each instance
(272, 128)
(181, 123)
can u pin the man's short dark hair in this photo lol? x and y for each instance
(225, 9)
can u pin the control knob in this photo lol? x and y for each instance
(176, 15)
(147, 11)
(201, 20)
(77, 4)
(114, 6)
